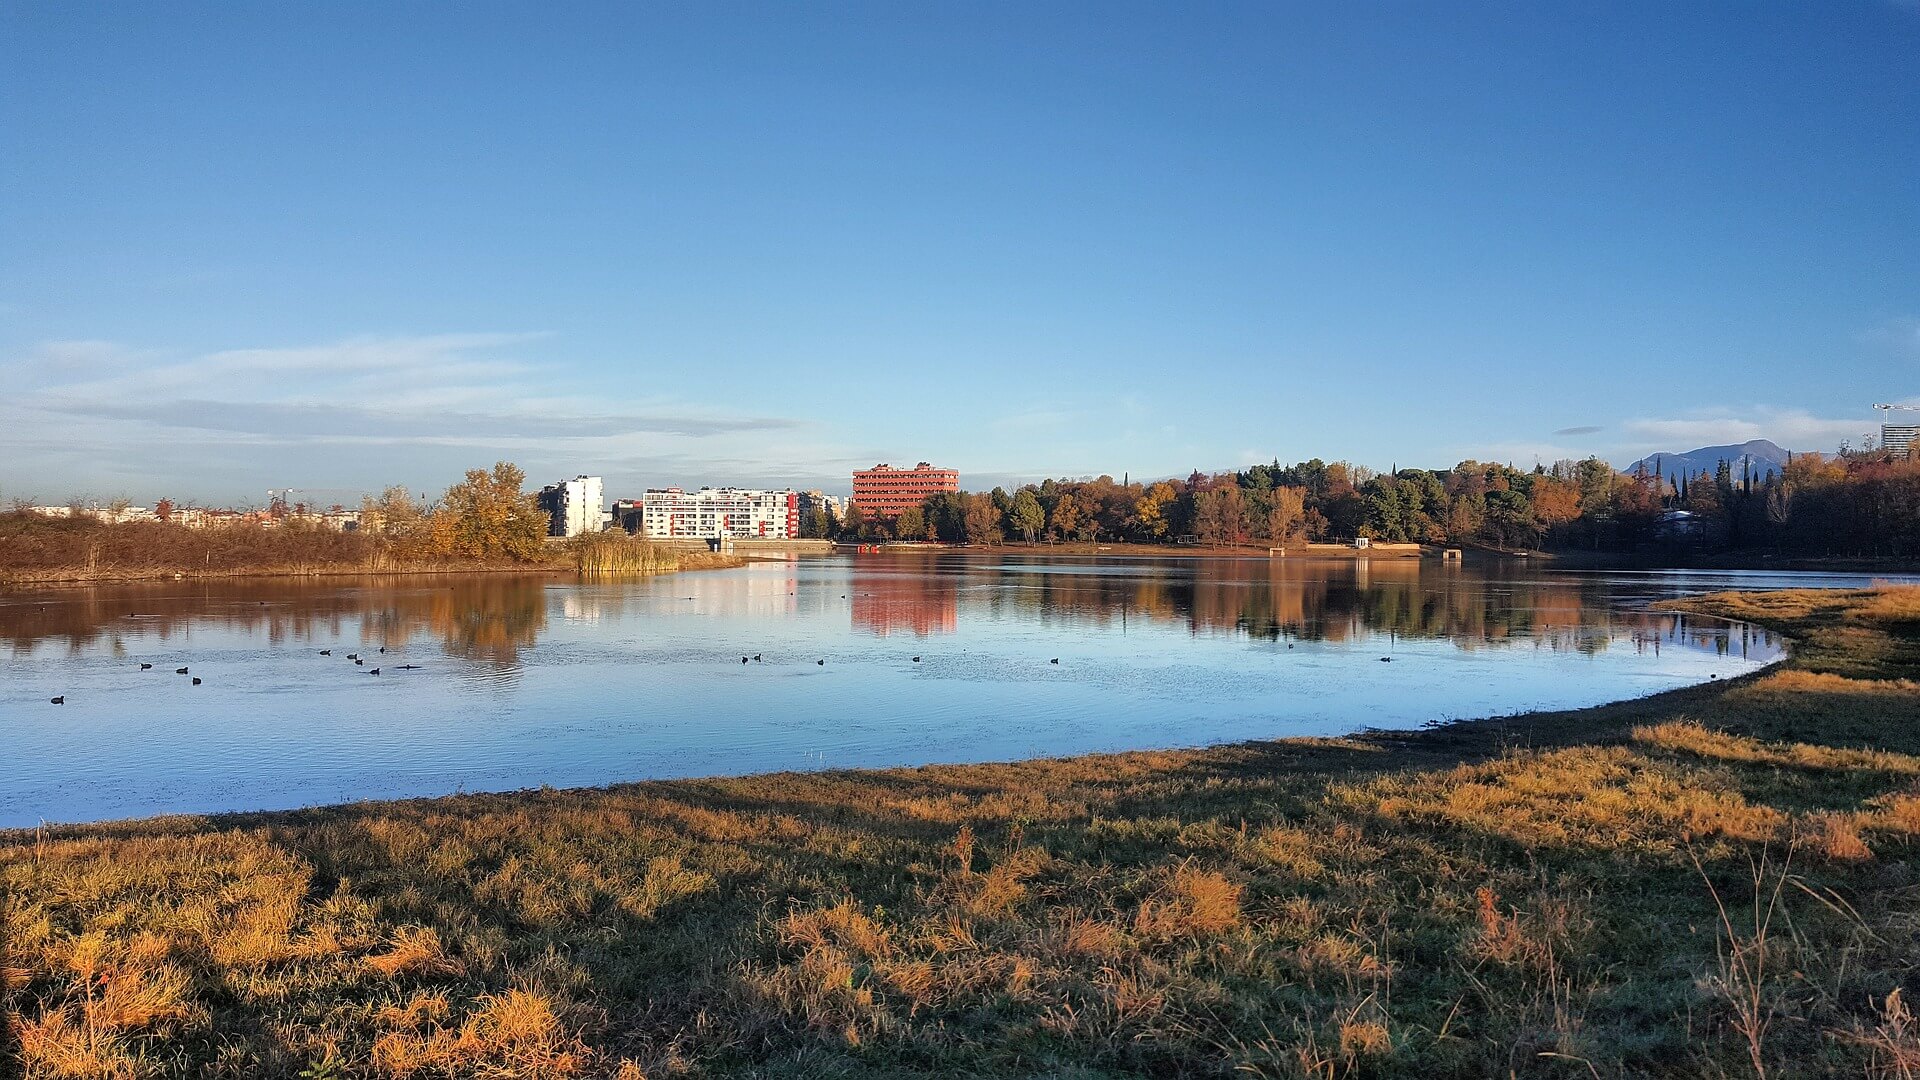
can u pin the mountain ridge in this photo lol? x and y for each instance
(1765, 454)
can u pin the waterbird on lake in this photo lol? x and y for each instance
(357, 662)
(1055, 660)
(179, 671)
(196, 680)
(916, 659)
(375, 671)
(756, 658)
(326, 652)
(354, 656)
(822, 663)
(61, 700)
(743, 659)
(146, 667)
(383, 648)
(408, 667)
(1386, 659)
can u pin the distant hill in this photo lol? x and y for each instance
(1763, 453)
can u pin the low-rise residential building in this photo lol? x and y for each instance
(732, 513)
(815, 499)
(626, 514)
(203, 517)
(112, 515)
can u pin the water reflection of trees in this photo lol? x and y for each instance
(1281, 600)
(487, 618)
(491, 618)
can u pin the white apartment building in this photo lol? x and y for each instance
(733, 513)
(576, 506)
(109, 514)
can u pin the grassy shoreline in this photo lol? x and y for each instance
(80, 576)
(1716, 880)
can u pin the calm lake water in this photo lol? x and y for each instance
(522, 681)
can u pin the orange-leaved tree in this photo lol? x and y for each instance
(487, 516)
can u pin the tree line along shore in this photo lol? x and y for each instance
(1859, 506)
(1862, 504)
(1713, 881)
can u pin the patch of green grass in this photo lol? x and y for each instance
(1716, 881)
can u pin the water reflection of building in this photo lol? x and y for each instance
(917, 602)
(762, 589)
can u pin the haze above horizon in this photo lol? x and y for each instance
(357, 245)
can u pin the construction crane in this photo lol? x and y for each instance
(315, 498)
(1897, 439)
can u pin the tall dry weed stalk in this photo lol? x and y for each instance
(1742, 975)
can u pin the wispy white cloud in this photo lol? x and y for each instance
(360, 412)
(1795, 429)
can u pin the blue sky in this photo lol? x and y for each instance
(339, 245)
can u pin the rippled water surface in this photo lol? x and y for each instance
(522, 681)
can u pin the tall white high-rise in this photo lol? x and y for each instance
(575, 506)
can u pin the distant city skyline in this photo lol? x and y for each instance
(244, 249)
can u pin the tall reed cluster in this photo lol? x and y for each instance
(618, 553)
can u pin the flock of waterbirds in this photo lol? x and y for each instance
(755, 659)
(361, 661)
(358, 661)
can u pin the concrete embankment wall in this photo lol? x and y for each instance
(1348, 551)
(751, 548)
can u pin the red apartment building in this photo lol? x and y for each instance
(884, 491)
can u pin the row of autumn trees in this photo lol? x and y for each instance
(1857, 503)
(485, 516)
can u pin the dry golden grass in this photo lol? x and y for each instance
(1194, 903)
(1687, 736)
(518, 1033)
(1599, 798)
(57, 1045)
(1896, 813)
(1560, 894)
(415, 950)
(1893, 605)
